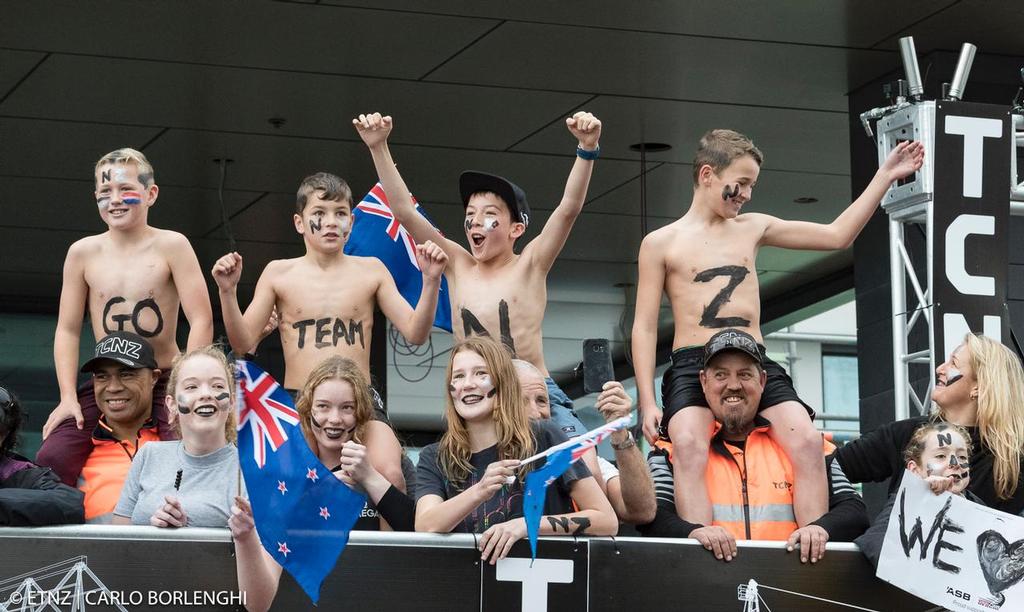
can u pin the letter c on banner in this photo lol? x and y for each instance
(956, 270)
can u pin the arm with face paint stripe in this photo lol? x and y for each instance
(543, 251)
(374, 129)
(191, 286)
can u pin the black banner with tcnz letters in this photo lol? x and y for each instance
(145, 568)
(971, 223)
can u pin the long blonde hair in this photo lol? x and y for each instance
(515, 439)
(216, 353)
(336, 368)
(1000, 408)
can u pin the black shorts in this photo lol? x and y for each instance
(680, 386)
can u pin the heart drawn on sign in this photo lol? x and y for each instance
(1002, 563)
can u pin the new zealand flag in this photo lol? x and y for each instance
(377, 233)
(303, 513)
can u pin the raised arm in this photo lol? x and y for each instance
(374, 130)
(243, 330)
(904, 160)
(191, 286)
(413, 324)
(546, 247)
(73, 295)
(632, 493)
(649, 288)
(258, 573)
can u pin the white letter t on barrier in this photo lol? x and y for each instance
(535, 579)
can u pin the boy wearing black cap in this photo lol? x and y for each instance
(704, 261)
(495, 291)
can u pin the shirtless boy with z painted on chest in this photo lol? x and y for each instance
(134, 278)
(705, 263)
(495, 291)
(325, 299)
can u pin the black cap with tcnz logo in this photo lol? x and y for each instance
(732, 340)
(124, 347)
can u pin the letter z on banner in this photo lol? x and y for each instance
(971, 223)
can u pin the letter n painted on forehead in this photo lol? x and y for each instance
(105, 176)
(944, 439)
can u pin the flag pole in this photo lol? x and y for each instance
(617, 424)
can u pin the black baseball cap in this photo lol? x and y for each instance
(732, 340)
(124, 347)
(471, 182)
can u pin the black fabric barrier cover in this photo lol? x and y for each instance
(145, 568)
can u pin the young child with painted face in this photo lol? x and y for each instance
(494, 290)
(189, 482)
(938, 452)
(705, 262)
(336, 415)
(133, 277)
(469, 481)
(325, 299)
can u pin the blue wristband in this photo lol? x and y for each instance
(588, 155)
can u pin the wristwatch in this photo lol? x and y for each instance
(629, 443)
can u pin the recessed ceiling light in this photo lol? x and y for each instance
(650, 147)
(805, 200)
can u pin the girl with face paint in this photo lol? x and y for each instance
(469, 481)
(979, 387)
(939, 453)
(336, 413)
(190, 482)
(337, 417)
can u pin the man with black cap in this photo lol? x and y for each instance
(749, 477)
(124, 372)
(495, 291)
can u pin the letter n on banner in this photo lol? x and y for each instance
(971, 223)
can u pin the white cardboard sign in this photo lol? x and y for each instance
(953, 552)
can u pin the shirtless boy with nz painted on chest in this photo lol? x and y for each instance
(495, 291)
(705, 263)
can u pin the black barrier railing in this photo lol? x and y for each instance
(145, 568)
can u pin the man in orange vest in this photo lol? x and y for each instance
(749, 477)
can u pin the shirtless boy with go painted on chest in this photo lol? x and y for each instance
(495, 291)
(134, 278)
(705, 263)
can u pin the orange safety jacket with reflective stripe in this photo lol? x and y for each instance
(751, 488)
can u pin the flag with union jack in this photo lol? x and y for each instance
(558, 458)
(377, 233)
(303, 513)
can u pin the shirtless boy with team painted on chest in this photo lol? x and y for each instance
(705, 263)
(495, 291)
(133, 277)
(326, 299)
